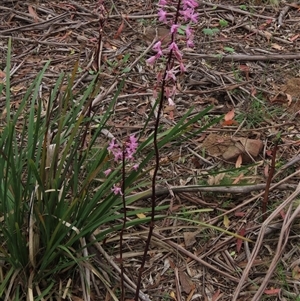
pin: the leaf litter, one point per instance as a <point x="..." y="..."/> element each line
<point x="261" y="69"/>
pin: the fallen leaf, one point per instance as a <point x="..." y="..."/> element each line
<point x="296" y="273"/>
<point x="2" y="74"/>
<point x="216" y="295"/>
<point x="239" y="214"/>
<point x="215" y="180"/>
<point x="229" y="115"/>
<point x="141" y="215"/>
<point x="189" y="238"/>
<point x="33" y="14"/>
<point x="238" y="162"/>
<point x="282" y="214"/>
<point x="75" y="298"/>
<point x="273" y="291"/>
<point x="295" y="37"/>
<point x="277" y="47"/>
<point x="172" y="295"/>
<point x="253" y="91"/>
<point x="267" y="35"/>
<point x="289" y="98"/>
<point x="245" y="69"/>
<point x="239" y="241"/>
<point x="269" y="153"/>
<point x="119" y="31"/>
<point x="186" y="283"/>
<point x="229" y="122"/>
<point x="238" y="178"/>
<point x="266" y="171"/>
<point x="226" y="221"/>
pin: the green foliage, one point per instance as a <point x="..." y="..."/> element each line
<point x="229" y="49"/>
<point x="47" y="206"/>
<point x="210" y="31"/>
<point x="223" y="23"/>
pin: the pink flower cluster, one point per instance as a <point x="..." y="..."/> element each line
<point x="128" y="150"/>
<point x="187" y="15"/>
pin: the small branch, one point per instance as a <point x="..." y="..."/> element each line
<point x="242" y="57"/>
<point x="282" y="14"/>
<point x="269" y="180"/>
<point x="199" y="188"/>
<point x="236" y="10"/>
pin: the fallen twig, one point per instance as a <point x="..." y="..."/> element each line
<point x="269" y="180"/>
<point x="199" y="188"/>
<point x="242" y="57"/>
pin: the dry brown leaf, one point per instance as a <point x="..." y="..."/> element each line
<point x="289" y="98"/>
<point x="33" y="14"/>
<point x="296" y="273"/>
<point x="186" y="284"/>
<point x="189" y="238"/>
<point x="277" y="47"/>
<point x="215" y="180"/>
<point x="120" y="29"/>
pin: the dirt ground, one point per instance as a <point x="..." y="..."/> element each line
<point x="246" y="63"/>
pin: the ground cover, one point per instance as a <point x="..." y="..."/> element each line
<point x="245" y="64"/>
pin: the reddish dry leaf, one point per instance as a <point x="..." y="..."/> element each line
<point x="253" y="91"/>
<point x="239" y="241"/>
<point x="245" y="69"/>
<point x="295" y="37"/>
<point x="229" y="122"/>
<point x="273" y="291"/>
<point x="240" y="214"/>
<point x="120" y="29"/>
<point x="237" y="180"/>
<point x="229" y="116"/>
<point x="282" y="213"/>
<point x="269" y="153"/>
<point x="33" y="13"/>
<point x="2" y="74"/>
<point x="216" y="295"/>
